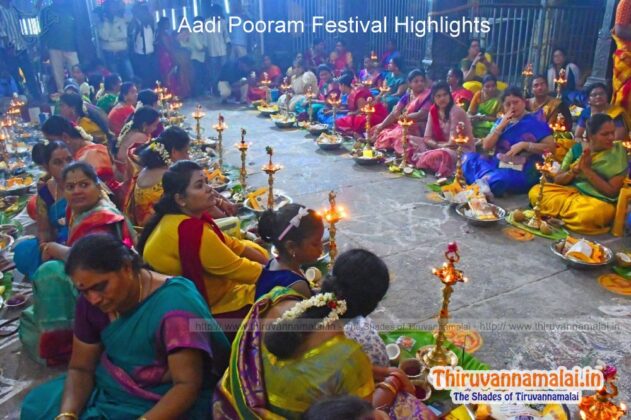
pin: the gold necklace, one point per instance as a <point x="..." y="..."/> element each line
<point x="140" y="292"/>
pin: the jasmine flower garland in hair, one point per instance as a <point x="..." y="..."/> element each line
<point x="338" y="308"/>
<point x="159" y="148"/>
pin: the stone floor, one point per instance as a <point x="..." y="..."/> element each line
<point x="509" y="281"/>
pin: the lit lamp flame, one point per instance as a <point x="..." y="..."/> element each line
<point x="600" y="406"/>
<point x="384" y="88"/>
<point x="449" y="275"/>
<point x="334" y="101"/>
<point x="560" y="83"/>
<point x="373" y="56"/>
<point x="309" y="94"/>
<point x="545" y="169"/>
<point x="461" y="140"/>
<point x="527" y="73"/>
<point x="405" y="122"/>
<point x="220" y="127"/>
<point x="333" y="215"/>
<point x="198" y="114"/>
<point x="368" y="109"/>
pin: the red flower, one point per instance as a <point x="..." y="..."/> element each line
<point x="452" y="247"/>
<point x="332" y="304"/>
<point x="609" y="372"/>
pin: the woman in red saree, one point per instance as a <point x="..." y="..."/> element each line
<point x="274" y="75"/>
<point x="416" y="103"/>
<point x="354" y="123"/>
<point x="176" y="69"/>
<point x="462" y="97"/>
<point x="341" y="59"/>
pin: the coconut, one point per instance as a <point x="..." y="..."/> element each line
<point x="545" y="228"/>
<point x="519" y="216"/>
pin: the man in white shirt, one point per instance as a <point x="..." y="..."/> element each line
<point x="112" y="30"/>
<point x="217" y="45"/>
<point x="142" y="39"/>
<point x="13" y="49"/>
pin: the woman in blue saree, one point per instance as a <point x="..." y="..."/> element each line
<point x="51" y="206"/>
<point x="144" y="345"/>
<point x="514" y="144"/>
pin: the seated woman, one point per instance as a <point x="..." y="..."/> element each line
<point x="295" y="368"/>
<point x="134" y="354"/>
<point x="340" y="58"/>
<point x="518" y="139"/>
<point x="81" y="79"/>
<point x="137" y="131"/>
<point x="326" y="85"/>
<point x="436" y="151"/>
<point x="274" y="75"/>
<point x="586" y="188"/>
<point x="416" y="103"/>
<point x="484" y="107"/>
<point x="73" y="108"/>
<point x="127" y="100"/>
<point x="110" y="95"/>
<point x="302" y="80"/>
<point x="371" y="76"/>
<point x="598" y="100"/>
<point x="155" y="159"/>
<point x="354" y="122"/>
<point x="148" y="97"/>
<point x="83" y="150"/>
<point x="549" y="105"/>
<point x="182" y="239"/>
<point x="476" y="65"/>
<point x="395" y="80"/>
<point x="296" y="232"/>
<point x="54" y="296"/>
<point x="461" y="96"/>
<point x="51" y="206"/>
<point x="572" y="88"/>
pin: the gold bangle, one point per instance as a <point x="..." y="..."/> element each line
<point x="67" y="414"/>
<point x="388" y="387"/>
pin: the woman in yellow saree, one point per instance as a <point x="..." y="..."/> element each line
<point x="278" y="373"/>
<point x="586" y="188"/>
<point x="484" y="107"/>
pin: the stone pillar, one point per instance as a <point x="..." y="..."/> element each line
<point x="602" y="67"/>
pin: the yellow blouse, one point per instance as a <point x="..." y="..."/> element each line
<point x="230" y="279"/>
<point x="141" y="208"/>
<point x="337" y="367"/>
<point x="90" y="127"/>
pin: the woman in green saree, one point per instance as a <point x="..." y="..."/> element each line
<point x="586" y="188"/>
<point x="145" y="345"/>
<point x="290" y="353"/>
<point x="484" y="107"/>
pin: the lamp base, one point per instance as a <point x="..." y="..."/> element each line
<point x="430" y="357"/>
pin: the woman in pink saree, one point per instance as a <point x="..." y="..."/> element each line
<point x="416" y="103"/>
<point x="436" y="151"/>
